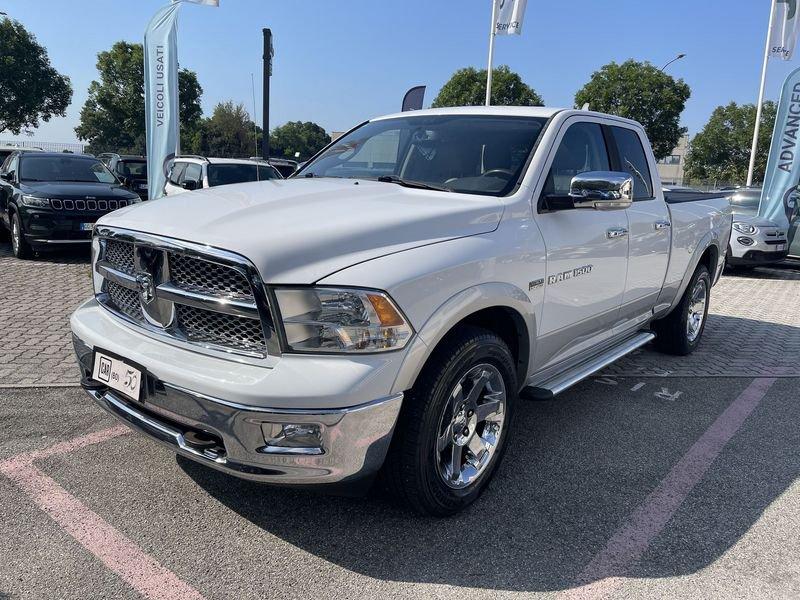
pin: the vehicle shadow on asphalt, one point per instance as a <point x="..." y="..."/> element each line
<point x="576" y="469"/>
<point x="787" y="269"/>
<point x="69" y="255"/>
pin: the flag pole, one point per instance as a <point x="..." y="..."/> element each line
<point x="754" y="147"/>
<point x="492" y="35"/>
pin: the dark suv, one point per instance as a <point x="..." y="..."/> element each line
<point x="51" y="199"/>
<point x="130" y="170"/>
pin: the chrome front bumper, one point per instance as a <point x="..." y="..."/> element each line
<point x="352" y="442"/>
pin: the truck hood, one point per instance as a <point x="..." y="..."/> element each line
<point x="754" y="220"/>
<point x="66" y="190"/>
<point x="301" y="230"/>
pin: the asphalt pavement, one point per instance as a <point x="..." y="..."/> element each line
<point x="579" y="469"/>
<point x="662" y="477"/>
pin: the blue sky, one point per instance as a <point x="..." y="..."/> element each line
<point x="338" y="62"/>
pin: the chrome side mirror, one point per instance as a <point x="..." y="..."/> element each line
<point x="602" y="190"/>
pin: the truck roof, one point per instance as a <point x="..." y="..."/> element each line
<point x="509" y="111"/>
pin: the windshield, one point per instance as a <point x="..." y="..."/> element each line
<point x="64" y="168"/>
<point x="132" y="168"/>
<point x="225" y="174"/>
<point x="475" y="154"/>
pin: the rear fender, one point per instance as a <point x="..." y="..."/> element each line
<point x="706" y="242"/>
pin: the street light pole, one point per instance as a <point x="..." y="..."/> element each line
<point x="680" y="56"/>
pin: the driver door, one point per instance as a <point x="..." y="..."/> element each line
<point x="587" y="251"/>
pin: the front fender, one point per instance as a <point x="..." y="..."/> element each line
<point x="453" y="311"/>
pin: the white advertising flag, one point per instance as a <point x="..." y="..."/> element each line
<point x="785" y="27"/>
<point x="161" y="93"/>
<point x="509" y="17"/>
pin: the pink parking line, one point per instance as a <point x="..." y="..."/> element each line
<point x="605" y="572"/>
<point x="90" y="530"/>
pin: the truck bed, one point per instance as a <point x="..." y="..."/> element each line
<point x="679" y="197"/>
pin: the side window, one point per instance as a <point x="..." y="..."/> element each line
<point x="11" y="164"/>
<point x="582" y="149"/>
<point x="194" y="172"/>
<point x="175" y="174"/>
<point x="633" y="160"/>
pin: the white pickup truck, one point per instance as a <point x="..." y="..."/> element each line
<point x="383" y="311"/>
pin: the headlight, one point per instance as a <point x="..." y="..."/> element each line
<point x="745" y="228"/>
<point x="341" y="320"/>
<point x="37" y="202"/>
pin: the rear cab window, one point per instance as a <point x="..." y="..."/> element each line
<point x="633" y="160"/>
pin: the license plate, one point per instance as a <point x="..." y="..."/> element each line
<point x="780" y="247"/>
<point x="87" y="226"/>
<point x="117" y="375"/>
<point x="143" y="186"/>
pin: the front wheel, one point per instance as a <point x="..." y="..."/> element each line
<point x="454" y="424"/>
<point x="680" y="331"/>
<point x="19" y="246"/>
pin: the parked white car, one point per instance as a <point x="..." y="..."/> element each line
<point x="755" y="240"/>
<point x="189" y="173"/>
<point x="384" y="309"/>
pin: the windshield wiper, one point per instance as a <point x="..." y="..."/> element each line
<point x="311" y="175"/>
<point x="411" y="183"/>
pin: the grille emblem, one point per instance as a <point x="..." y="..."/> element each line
<point x="147" y="288"/>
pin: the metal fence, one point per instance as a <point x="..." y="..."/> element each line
<point x="46" y="146"/>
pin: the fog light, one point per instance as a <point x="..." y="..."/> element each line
<point x="292" y="438"/>
<point x="745" y="241"/>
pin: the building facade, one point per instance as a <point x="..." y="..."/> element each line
<point x="670" y="168"/>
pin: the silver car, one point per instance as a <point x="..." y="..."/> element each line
<point x="754" y="240"/>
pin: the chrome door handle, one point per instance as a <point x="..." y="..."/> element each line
<point x="616" y="232"/>
<point x="662" y="225"/>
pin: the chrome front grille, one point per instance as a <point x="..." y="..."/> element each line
<point x="125" y="300"/>
<point x="220" y="329"/>
<point x="190" y="293"/>
<point x="120" y="255"/>
<point x="92" y="205"/>
<point x="203" y="277"/>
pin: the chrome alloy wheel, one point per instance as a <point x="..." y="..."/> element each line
<point x="15" y="235"/>
<point x="697" y="309"/>
<point x="470" y="426"/>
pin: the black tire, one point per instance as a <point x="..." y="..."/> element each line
<point x="412" y="472"/>
<point x="673" y="334"/>
<point x="19" y="246"/>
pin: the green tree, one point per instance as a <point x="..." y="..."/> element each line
<point x="112" y="119"/>
<point x="467" y="87"/>
<point x="644" y="93"/>
<point x="30" y="88"/>
<point x="721" y="150"/>
<point x="228" y="133"/>
<point x="295" y="136"/>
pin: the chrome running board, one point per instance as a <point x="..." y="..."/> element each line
<point x="560" y="382"/>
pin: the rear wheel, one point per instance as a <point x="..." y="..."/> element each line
<point x="454" y="424"/>
<point x="19" y="246"/>
<point x="680" y="332"/>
